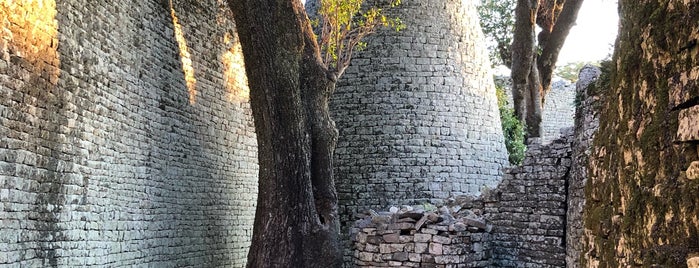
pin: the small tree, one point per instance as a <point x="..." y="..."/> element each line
<point x="291" y="81"/>
<point x="497" y="19"/>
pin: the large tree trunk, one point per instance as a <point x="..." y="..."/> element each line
<point x="523" y="55"/>
<point x="642" y="205"/>
<point x="531" y="71"/>
<point x="296" y="223"/>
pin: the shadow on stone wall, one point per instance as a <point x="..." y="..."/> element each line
<point x="103" y="158"/>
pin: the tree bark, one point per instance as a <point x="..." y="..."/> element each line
<point x="296" y="223"/>
<point x="522" y="55"/>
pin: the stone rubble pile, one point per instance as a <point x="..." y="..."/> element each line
<point x="423" y="236"/>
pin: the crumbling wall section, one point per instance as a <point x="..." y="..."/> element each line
<point x="521" y="223"/>
<point x="413" y="237"/>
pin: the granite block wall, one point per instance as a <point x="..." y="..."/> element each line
<point x="559" y="110"/>
<point x="528" y="209"/>
<point x="520" y="223"/>
<point x="586" y="124"/>
<point x="125" y="135"/>
<point x="413" y="237"/>
<point x="417" y="113"/>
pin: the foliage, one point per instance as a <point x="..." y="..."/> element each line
<point x="343" y="24"/>
<point x="512" y="129"/>
<point x="497" y="20"/>
<point x="571" y="70"/>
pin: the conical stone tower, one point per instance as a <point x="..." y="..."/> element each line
<point x="417" y="112"/>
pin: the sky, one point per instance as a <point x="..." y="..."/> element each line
<point x="592" y="38"/>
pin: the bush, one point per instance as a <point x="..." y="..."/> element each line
<point x="512" y="129"/>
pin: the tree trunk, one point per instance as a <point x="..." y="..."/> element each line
<point x="531" y="72"/>
<point x="641" y="198"/>
<point x="523" y="55"/>
<point x="296" y="223"/>
<point x="534" y="102"/>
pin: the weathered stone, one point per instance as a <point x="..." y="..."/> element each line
<point x="435" y="248"/>
<point x="421" y="238"/>
<point x="421" y="222"/>
<point x="693" y="261"/>
<point x="421" y="247"/>
<point x="400" y="256"/>
<point x="401" y="226"/>
<point x="391" y="238"/>
<point x="441" y="239"/>
<point x="693" y="171"/>
<point x="474" y="222"/>
<point x="688" y="129"/>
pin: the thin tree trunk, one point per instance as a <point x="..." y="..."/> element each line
<point x="522" y="54"/>
<point x="296" y="223"/>
<point x="534" y="103"/>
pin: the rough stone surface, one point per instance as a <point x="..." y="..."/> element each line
<point x="117" y="147"/>
<point x="436" y="244"/>
<point x="641" y="209"/>
<point x="521" y="223"/>
<point x="586" y="124"/>
<point x="417" y="112"/>
<point x="528" y="209"/>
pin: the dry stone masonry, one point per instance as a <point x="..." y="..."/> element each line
<point x="417" y="112"/>
<point x="413" y="237"/>
<point x="125" y="139"/>
<point x="521" y="223"/>
<point x="559" y="110"/>
<point x="586" y="124"/>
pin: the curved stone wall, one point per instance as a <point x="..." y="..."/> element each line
<point x="417" y="112"/>
<point x="125" y="136"/>
<point x="559" y="110"/>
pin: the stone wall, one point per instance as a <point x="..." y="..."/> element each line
<point x="417" y="112"/>
<point x="528" y="209"/>
<point x="586" y="124"/>
<point x="125" y="136"/>
<point x="413" y="237"/>
<point x="641" y="206"/>
<point x="559" y="110"/>
<point x="521" y="223"/>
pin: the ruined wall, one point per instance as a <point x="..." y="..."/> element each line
<point x="125" y="136"/>
<point x="641" y="205"/>
<point x="528" y="209"/>
<point x="413" y="237"/>
<point x="521" y="223"/>
<point x="417" y="112"/>
<point x="586" y="124"/>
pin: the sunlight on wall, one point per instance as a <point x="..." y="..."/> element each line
<point x="185" y="57"/>
<point x="28" y="29"/>
<point x="234" y="70"/>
